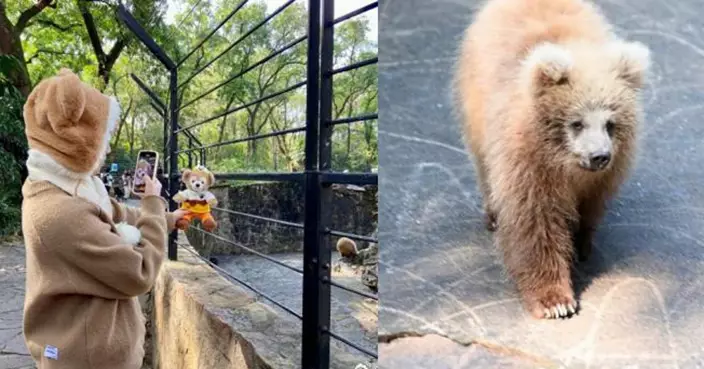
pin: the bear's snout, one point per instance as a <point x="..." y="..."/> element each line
<point x="597" y="161"/>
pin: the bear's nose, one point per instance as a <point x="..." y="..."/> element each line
<point x="599" y="161"/>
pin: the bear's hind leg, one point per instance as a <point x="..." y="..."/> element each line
<point x="537" y="250"/>
<point x="590" y="213"/>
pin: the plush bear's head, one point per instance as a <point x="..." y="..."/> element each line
<point x="585" y="99"/>
<point x="143" y="169"/>
<point x="199" y="179"/>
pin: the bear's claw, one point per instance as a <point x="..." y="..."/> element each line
<point x="553" y="304"/>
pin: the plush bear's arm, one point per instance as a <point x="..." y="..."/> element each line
<point x="212" y="201"/>
<point x="180" y="197"/>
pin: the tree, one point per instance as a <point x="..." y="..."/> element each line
<point x="11" y="42"/>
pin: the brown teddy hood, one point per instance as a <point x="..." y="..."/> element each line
<point x="68" y="126"/>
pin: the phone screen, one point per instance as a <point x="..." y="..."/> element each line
<point x="146" y="167"/>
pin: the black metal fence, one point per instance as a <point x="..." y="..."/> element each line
<point x="317" y="178"/>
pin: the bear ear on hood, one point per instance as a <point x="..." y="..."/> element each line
<point x="632" y="61"/>
<point x="548" y="64"/>
<point x="70" y="96"/>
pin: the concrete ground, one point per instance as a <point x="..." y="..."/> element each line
<point x="442" y="282"/>
<point x="352" y="316"/>
<point x="13" y="352"/>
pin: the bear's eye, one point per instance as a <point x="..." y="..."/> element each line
<point x="610" y="127"/>
<point x="577" y="125"/>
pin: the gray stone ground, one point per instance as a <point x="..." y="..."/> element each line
<point x="13" y="352"/>
<point x="642" y="292"/>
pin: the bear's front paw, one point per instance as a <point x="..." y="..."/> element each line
<point x="551" y="302"/>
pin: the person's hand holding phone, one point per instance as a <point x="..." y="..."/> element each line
<point x="151" y="187"/>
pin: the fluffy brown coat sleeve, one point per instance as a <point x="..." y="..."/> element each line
<point x="84" y="240"/>
<point x="130" y="215"/>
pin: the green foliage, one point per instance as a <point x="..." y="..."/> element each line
<point x="12" y="148"/>
<point x="58" y="38"/>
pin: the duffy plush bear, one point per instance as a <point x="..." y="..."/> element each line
<point x="196" y="199"/>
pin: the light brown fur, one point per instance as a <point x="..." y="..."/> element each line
<point x="346" y="247"/>
<point x="541" y="204"/>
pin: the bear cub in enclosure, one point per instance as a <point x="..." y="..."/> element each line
<point x="550" y="99"/>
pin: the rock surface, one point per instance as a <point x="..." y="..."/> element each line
<point x="353" y="317"/>
<point x="642" y="292"/>
<point x="352" y="211"/>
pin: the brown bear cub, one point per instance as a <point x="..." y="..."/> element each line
<point x="550" y="99"/>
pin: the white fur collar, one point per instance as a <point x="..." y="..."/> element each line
<point x="42" y="167"/>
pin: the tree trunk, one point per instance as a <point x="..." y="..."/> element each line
<point x="10" y="44"/>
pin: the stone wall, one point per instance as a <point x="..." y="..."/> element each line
<point x="353" y="211"/>
<point x="199" y="320"/>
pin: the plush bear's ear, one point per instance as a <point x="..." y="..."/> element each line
<point x="211" y="179"/>
<point x="631" y="61"/>
<point x="70" y="96"/>
<point x="548" y="64"/>
<point x="185" y="175"/>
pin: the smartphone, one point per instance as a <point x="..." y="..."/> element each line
<point x="147" y="162"/>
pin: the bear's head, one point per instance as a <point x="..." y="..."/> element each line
<point x="199" y="179"/>
<point x="586" y="99"/>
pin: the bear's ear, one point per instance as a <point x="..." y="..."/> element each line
<point x="185" y="175"/>
<point x="70" y="96"/>
<point x="548" y="64"/>
<point x="631" y="61"/>
<point x="211" y="179"/>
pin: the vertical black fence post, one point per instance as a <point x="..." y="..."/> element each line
<point x="326" y="89"/>
<point x="167" y="119"/>
<point x="190" y="153"/>
<point x="327" y="45"/>
<point x="173" y="156"/>
<point x="316" y="295"/>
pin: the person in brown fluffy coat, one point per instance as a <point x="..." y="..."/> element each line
<point x="551" y="103"/>
<point x="88" y="257"/>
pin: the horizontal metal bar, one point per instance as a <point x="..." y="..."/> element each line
<point x="240" y="39"/>
<point x="352" y="290"/>
<point x="249" y="138"/>
<point x="350" y="343"/>
<point x="357" y="12"/>
<point x="250" y="287"/>
<point x="245" y="71"/>
<point x="251" y="251"/>
<point x="357" y="65"/>
<point x="144" y="36"/>
<point x="271" y="220"/>
<point x="228" y="112"/>
<point x="359" y="118"/>
<point x="222" y="23"/>
<point x="270" y="177"/>
<point x="359" y="179"/>
<point x="351" y="236"/>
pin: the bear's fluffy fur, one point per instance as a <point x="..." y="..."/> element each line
<point x="542" y="87"/>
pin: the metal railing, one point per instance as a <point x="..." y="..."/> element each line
<point x="317" y="178"/>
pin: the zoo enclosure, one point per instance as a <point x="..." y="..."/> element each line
<point x="317" y="178"/>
